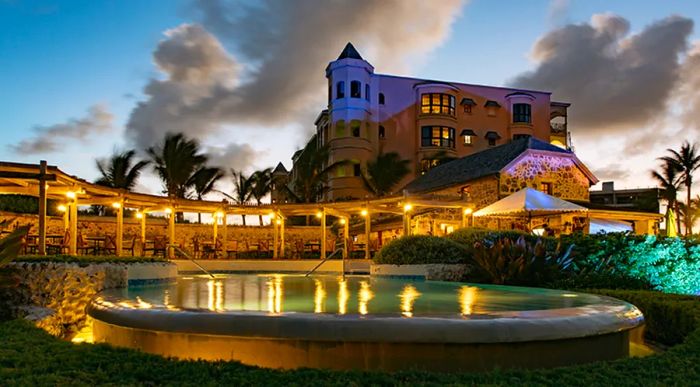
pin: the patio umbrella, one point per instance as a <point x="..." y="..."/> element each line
<point x="671" y="224"/>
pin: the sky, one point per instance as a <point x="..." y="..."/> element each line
<point x="79" y="79"/>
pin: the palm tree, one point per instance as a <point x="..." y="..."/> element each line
<point x="261" y="185"/>
<point x="669" y="180"/>
<point x="385" y="172"/>
<point x="120" y="171"/>
<point x="203" y="182"/>
<point x="311" y="173"/>
<point x="176" y="160"/>
<point x="687" y="161"/>
<point x="243" y="187"/>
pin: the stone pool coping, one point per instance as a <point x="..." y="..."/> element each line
<point x="607" y="316"/>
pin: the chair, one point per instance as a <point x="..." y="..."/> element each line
<point x="196" y="247"/>
<point x="264" y="248"/>
<point x="231" y="248"/>
<point x="373" y="247"/>
<point x="159" y="246"/>
<point x="131" y="246"/>
<point x="110" y="246"/>
<point x="63" y="245"/>
<point x="298" y="251"/>
<point x="252" y="249"/>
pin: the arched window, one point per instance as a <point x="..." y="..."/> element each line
<point x="355" y="89"/>
<point x="381" y="98"/>
<point x="367" y="92"/>
<point x="340" y="128"/>
<point x="382" y="132"/>
<point x="355" y="128"/>
<point x="340" y="90"/>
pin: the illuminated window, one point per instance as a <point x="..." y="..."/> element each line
<point x="381" y="98"/>
<point x="441" y="136"/>
<point x="546" y="188"/>
<point x="382" y="132"/>
<point x="437" y="103"/>
<point x="522" y="113"/>
<point x="427" y="164"/>
<point x="355" y="128"/>
<point x="468" y="140"/>
<point x="340" y="90"/>
<point x="355" y="89"/>
<point x="340" y="128"/>
<point x="367" y="92"/>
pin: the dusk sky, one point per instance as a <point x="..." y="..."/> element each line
<point x="79" y="78"/>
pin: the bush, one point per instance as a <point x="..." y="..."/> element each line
<point x="420" y="249"/>
<point x="470" y="235"/>
<point x="595" y="280"/>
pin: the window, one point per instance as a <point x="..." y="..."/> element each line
<point x="546" y="188"/>
<point x="382" y="132"/>
<point x="492" y="142"/>
<point x="522" y="113"/>
<point x="355" y="128"/>
<point x="437" y="103"/>
<point x="356" y="170"/>
<point x="355" y="89"/>
<point x="441" y="136"/>
<point x="381" y="98"/>
<point x="367" y="92"/>
<point x="468" y="139"/>
<point x="468" y="109"/>
<point x="330" y="92"/>
<point x="340" y="90"/>
<point x="427" y="164"/>
<point x="340" y="128"/>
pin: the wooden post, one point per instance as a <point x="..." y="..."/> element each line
<point x="323" y="233"/>
<point x="120" y="227"/>
<point x="367" y="235"/>
<point x="143" y="229"/>
<point x="406" y="223"/>
<point x="465" y="219"/>
<point x="281" y="218"/>
<point x="73" y="208"/>
<point x="66" y="214"/>
<point x="275" y="236"/>
<point x="216" y="227"/>
<point x="171" y="235"/>
<point x="42" y="207"/>
<point x="346" y="237"/>
<point x="224" y="234"/>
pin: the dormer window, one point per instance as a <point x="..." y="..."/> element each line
<point x="437" y="103"/>
<point x="467" y="104"/>
<point x="340" y="90"/>
<point x="491" y="107"/>
<point x="468" y="136"/>
<point x="381" y="98"/>
<point x="355" y="89"/>
<point x="492" y="137"/>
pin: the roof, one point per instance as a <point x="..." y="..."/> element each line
<point x="491" y="135"/>
<point x="349" y="52"/>
<point x="467" y="132"/>
<point x="487" y="162"/>
<point x="530" y="202"/>
<point x="492" y="103"/>
<point x="467" y="101"/>
<point x="280" y="169"/>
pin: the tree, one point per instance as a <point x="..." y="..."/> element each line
<point x="669" y="180"/>
<point x="385" y="172"/>
<point x="687" y="161"/>
<point x="261" y="185"/>
<point x="203" y="182"/>
<point x="243" y="189"/>
<point x="120" y="171"/>
<point x="175" y="161"/>
<point x="311" y="173"/>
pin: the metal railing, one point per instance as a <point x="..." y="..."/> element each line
<point x="340" y="250"/>
<point x="184" y="253"/>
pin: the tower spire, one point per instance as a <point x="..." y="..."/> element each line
<point x="349" y="52"/>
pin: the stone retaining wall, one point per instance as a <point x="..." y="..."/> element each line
<point x="54" y="294"/>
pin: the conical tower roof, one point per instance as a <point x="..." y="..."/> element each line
<point x="350" y="52"/>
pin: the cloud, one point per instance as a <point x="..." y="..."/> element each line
<point x="615" y="80"/>
<point x="558" y="11"/>
<point x="98" y="120"/>
<point x="281" y="49"/>
<point x="688" y="96"/>
<point x="233" y="156"/>
<point x="612" y="172"/>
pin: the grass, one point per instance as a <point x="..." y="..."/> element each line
<point x="28" y="356"/>
<point x="87" y="259"/>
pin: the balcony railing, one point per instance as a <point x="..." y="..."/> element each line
<point x="558" y="127"/>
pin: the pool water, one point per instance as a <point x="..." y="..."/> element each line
<point x="352" y="295"/>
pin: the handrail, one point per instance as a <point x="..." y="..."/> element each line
<point x="340" y="250"/>
<point x="183" y="252"/>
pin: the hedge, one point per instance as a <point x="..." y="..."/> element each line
<point x="420" y="249"/>
<point x="28" y="356"/>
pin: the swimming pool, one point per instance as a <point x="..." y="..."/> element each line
<point x="362" y="322"/>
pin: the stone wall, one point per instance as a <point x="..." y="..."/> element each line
<point x="567" y="179"/>
<point x="184" y="232"/>
<point x="54" y="294"/>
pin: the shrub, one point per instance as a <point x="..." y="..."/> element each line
<point x="420" y="249"/>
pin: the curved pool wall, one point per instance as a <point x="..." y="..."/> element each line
<point x="365" y="323"/>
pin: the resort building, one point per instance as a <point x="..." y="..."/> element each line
<point x="635" y="199"/>
<point x="424" y="121"/>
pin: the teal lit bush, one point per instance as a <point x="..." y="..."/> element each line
<point x="421" y="249"/>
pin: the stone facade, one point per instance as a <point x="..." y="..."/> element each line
<point x="567" y="180"/>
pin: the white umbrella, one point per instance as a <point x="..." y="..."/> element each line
<point x="529" y="202"/>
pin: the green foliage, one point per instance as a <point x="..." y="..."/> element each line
<point x="384" y="173"/>
<point x="176" y="160"/>
<point x="29" y="356"/>
<point x="24" y="204"/>
<point x="518" y="262"/>
<point x="120" y="171"/>
<point x="471" y="235"/>
<point x="671" y="265"/>
<point x="420" y="249"/>
<point x="87" y="259"/>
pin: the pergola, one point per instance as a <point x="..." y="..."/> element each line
<point x="49" y="182"/>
